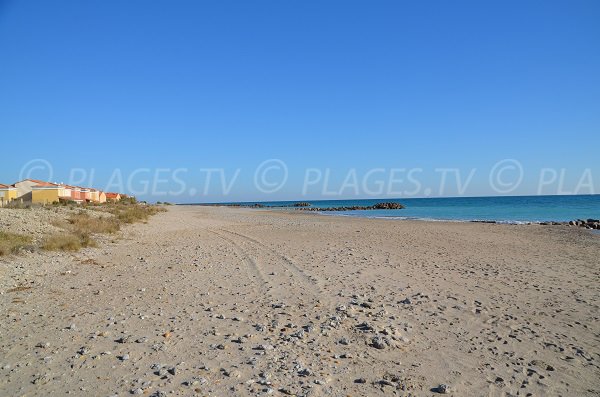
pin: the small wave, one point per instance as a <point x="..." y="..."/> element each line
<point x="425" y="219"/>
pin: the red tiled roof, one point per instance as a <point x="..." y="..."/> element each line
<point x="3" y="186"/>
<point x="32" y="180"/>
<point x="47" y="184"/>
<point x="112" y="195"/>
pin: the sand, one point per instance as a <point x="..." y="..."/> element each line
<point x="222" y="301"/>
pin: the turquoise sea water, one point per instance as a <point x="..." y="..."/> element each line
<point x="509" y="209"/>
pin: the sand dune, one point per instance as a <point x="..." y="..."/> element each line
<point x="221" y="301"/>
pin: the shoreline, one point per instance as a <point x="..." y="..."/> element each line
<point x="542" y="209"/>
<point x="594" y="224"/>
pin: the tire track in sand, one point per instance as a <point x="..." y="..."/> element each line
<point x="252" y="265"/>
<point x="307" y="283"/>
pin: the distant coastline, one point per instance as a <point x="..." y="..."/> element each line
<point x="489" y="209"/>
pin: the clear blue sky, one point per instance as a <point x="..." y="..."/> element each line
<point x="318" y="84"/>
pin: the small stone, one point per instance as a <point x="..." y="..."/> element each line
<point x="137" y="391"/>
<point x="162" y="372"/>
<point x="442" y="389"/>
<point x="305" y="372"/>
<point x="378" y="342"/>
<point x="124" y="357"/>
<point x="232" y="374"/>
<point x="360" y="380"/>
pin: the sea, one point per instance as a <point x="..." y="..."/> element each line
<point x="500" y="209"/>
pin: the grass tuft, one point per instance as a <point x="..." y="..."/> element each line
<point x="83" y="223"/>
<point x="134" y="213"/>
<point x="68" y="242"/>
<point x="11" y="243"/>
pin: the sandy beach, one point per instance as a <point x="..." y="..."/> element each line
<point x="222" y="301"/>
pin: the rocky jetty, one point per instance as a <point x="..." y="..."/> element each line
<point x="587" y="223"/>
<point x="302" y="204"/>
<point x="241" y="205"/>
<point x="378" y="206"/>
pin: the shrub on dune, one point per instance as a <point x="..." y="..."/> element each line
<point x="11" y="243"/>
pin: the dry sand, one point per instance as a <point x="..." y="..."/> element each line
<point x="220" y="301"/>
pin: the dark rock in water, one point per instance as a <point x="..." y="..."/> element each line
<point x="257" y="205"/>
<point x="588" y="224"/>
<point x="388" y="206"/>
<point x="302" y="204"/>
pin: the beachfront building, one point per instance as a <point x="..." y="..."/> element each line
<point x="86" y="194"/>
<point x="94" y="195"/>
<point x="8" y="193"/>
<point x="97" y="196"/>
<point x="48" y="193"/>
<point x="113" y="197"/>
<point x="76" y="194"/>
<point x="24" y="188"/>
